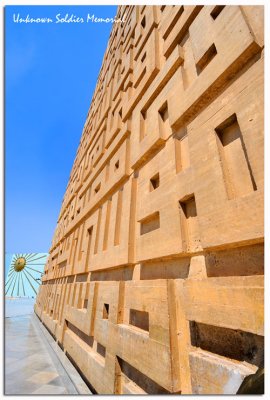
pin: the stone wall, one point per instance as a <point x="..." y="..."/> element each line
<point x="154" y="282"/>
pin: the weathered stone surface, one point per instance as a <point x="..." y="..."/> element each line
<point x="215" y="375"/>
<point x="154" y="282"/>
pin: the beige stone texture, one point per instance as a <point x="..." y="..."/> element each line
<point x="154" y="282"/>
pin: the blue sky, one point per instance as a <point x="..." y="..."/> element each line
<point x="50" y="75"/>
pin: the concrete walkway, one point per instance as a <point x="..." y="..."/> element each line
<point x="34" y="363"/>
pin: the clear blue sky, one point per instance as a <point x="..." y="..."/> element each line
<point x="50" y="75"/>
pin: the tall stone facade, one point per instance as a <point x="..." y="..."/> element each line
<point x="154" y="282"/>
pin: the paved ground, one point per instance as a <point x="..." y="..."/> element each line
<point x="34" y="363"/>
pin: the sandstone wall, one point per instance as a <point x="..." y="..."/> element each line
<point x="154" y="282"/>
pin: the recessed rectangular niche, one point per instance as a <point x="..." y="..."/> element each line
<point x="164" y="124"/>
<point x="89" y="235"/>
<point x="216" y="11"/>
<point x="101" y="350"/>
<point x="70" y="279"/>
<point x="81" y="278"/>
<point x="188" y="207"/>
<point x="150" y="223"/>
<point x="143" y="57"/>
<point x="143" y="115"/>
<point x="189" y="223"/>
<point x="206" y="59"/>
<point x="182" y="160"/>
<point x="154" y="182"/>
<point x="236" y="168"/>
<point x="106" y="308"/>
<point x="128" y="376"/>
<point x="89" y="340"/>
<point x="116" y="165"/>
<point x="232" y="343"/>
<point x="62" y="264"/>
<point x="85" y="303"/>
<point x="163" y="112"/>
<point x="140" y="319"/>
<point x="97" y="189"/>
<point x="143" y="22"/>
